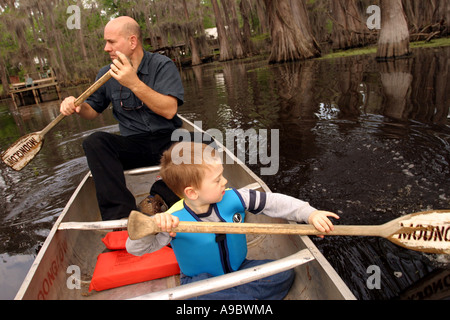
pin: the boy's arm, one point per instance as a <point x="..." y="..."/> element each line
<point x="276" y="205"/>
<point x="152" y="243"/>
<point x="148" y="244"/>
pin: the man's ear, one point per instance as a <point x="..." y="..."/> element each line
<point x="133" y="42"/>
<point x="191" y="193"/>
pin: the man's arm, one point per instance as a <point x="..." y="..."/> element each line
<point x="163" y="105"/>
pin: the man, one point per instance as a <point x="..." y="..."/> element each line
<point x="145" y="92"/>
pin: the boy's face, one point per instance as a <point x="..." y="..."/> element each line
<point x="213" y="185"/>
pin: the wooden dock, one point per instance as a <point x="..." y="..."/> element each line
<point x="20" y="90"/>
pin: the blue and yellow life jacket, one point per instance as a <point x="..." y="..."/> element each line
<point x="216" y="254"/>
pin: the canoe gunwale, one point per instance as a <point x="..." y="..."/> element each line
<point x="230" y="280"/>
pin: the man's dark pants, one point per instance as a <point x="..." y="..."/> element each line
<point x="108" y="155"/>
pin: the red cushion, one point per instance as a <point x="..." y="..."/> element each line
<point x="119" y="268"/>
<point x="116" y="240"/>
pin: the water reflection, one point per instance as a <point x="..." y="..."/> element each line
<point x="367" y="140"/>
<point x="32" y="199"/>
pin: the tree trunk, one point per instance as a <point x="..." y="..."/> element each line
<point x="194" y="50"/>
<point x="426" y="16"/>
<point x="225" y="53"/>
<point x="290" y="31"/>
<point x="348" y="28"/>
<point x="235" y="31"/>
<point x="54" y="44"/>
<point x="80" y="35"/>
<point x="394" y="35"/>
<point x="442" y="15"/>
<point x="262" y="17"/>
<point x="247" y="43"/>
<point x="4" y="76"/>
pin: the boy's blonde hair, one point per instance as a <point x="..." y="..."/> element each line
<point x="184" y="165"/>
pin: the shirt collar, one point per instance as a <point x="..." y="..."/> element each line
<point x="144" y="66"/>
<point x="198" y="216"/>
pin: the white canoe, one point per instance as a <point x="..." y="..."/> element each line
<point x="49" y="274"/>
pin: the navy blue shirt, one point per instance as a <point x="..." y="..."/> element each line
<point x="156" y="71"/>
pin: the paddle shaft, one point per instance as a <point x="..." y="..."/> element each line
<point x="230" y="228"/>
<point x="427" y="231"/>
<point x="140" y="225"/>
<point x="275" y="229"/>
<point x="86" y="94"/>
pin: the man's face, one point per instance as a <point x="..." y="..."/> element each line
<point x="116" y="41"/>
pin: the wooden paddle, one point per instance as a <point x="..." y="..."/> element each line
<point x="425" y="231"/>
<point x="26" y="148"/>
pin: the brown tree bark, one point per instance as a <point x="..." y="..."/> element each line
<point x="247" y="43"/>
<point x="348" y="26"/>
<point x="394" y="35"/>
<point x="442" y="15"/>
<point x="291" y="34"/>
<point x="235" y="31"/>
<point x="194" y="50"/>
<point x="426" y="17"/>
<point x="80" y="34"/>
<point x="4" y="76"/>
<point x="225" y="52"/>
<point x="262" y="17"/>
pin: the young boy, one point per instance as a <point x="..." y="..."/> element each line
<point x="195" y="173"/>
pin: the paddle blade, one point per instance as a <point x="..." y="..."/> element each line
<point x="426" y="231"/>
<point x="22" y="151"/>
<point x="140" y="226"/>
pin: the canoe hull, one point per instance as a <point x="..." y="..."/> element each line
<point x="70" y="255"/>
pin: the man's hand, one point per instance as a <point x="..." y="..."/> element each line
<point x="84" y="110"/>
<point x="68" y="106"/>
<point x="123" y="71"/>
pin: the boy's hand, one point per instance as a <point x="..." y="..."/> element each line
<point x="166" y="222"/>
<point x="319" y="219"/>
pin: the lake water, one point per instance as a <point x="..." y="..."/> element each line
<point x="369" y="141"/>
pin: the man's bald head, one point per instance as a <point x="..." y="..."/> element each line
<point x="126" y="26"/>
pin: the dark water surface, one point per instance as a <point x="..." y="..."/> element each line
<point x="369" y="141"/>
